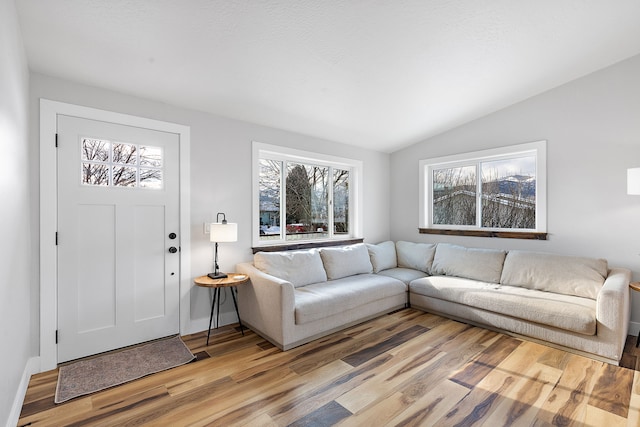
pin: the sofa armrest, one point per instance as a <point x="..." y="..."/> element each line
<point x="613" y="308"/>
<point x="267" y="303"/>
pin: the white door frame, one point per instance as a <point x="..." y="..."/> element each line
<point x="49" y="110"/>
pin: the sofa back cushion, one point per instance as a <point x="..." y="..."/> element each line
<point x="300" y="268"/>
<point x="383" y="256"/>
<point x="346" y="261"/>
<point x="581" y="277"/>
<point x="418" y="256"/>
<point x="471" y="263"/>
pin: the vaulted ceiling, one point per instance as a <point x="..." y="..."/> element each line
<point x="381" y="74"/>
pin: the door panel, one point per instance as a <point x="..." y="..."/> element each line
<point x="118" y="201"/>
<point x="149" y="269"/>
<point x="96" y="298"/>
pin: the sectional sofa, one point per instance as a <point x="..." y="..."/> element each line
<point x="573" y="303"/>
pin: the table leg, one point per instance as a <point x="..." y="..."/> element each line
<point x="237" y="312"/>
<point x="213" y="304"/>
<point x="638" y="340"/>
<point x="218" y="310"/>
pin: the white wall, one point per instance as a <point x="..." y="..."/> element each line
<point x="592" y="126"/>
<point x="15" y="251"/>
<point x="220" y="173"/>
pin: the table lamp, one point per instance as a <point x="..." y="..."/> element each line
<point x="221" y="232"/>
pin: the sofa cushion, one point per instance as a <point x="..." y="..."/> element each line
<point x="471" y="263"/>
<point x="567" y="275"/>
<point x="566" y="312"/>
<point x="300" y="268"/>
<point x="407" y="275"/>
<point x="383" y="256"/>
<point x="346" y="261"/>
<point x="322" y="300"/>
<point x="418" y="256"/>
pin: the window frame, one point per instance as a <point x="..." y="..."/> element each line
<point x="426" y="167"/>
<point x="286" y="154"/>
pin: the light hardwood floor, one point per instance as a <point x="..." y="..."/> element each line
<point x="407" y="368"/>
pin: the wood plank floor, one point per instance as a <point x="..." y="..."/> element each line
<point x="407" y="368"/>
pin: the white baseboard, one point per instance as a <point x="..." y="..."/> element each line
<point x="32" y="367"/>
<point x="201" y="324"/>
<point x="634" y="328"/>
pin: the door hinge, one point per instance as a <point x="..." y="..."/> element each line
<point x="56" y="238"/>
<point x="56" y="140"/>
<point x="56" y="336"/>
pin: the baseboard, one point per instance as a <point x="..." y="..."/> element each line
<point x="201" y="324"/>
<point x="32" y="367"/>
<point x="634" y="328"/>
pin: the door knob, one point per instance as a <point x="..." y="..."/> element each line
<point x="173" y="249"/>
<point x="172" y="236"/>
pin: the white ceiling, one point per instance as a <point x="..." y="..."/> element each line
<point x="381" y="74"/>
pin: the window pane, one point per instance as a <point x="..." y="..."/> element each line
<point x="95" y="149"/>
<point x="100" y="158"/>
<point x="509" y="193"/>
<point x="151" y="156"/>
<point x="302" y="197"/>
<point x="307" y="201"/>
<point x="124" y="153"/>
<point x="454" y="196"/>
<point x="151" y="178"/>
<point x="269" y="184"/>
<point x="509" y="187"/>
<point x="95" y="174"/>
<point x="124" y="176"/>
<point x="341" y="201"/>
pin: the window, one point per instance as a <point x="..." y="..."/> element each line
<point x="491" y="191"/>
<point x="117" y="164"/>
<point x="303" y="197"/>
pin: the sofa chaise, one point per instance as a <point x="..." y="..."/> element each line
<point x="573" y="303"/>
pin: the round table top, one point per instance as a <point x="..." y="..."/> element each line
<point x="233" y="279"/>
<point x="635" y="286"/>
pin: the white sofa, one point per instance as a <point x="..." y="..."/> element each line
<point x="298" y="296"/>
<point x="573" y="303"/>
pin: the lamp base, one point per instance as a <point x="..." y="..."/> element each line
<point x="217" y="276"/>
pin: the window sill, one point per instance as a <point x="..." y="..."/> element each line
<point x="531" y="235"/>
<point x="305" y="245"/>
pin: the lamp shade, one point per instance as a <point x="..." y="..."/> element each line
<point x="633" y="181"/>
<point x="224" y="232"/>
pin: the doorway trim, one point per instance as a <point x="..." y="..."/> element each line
<point x="49" y="110"/>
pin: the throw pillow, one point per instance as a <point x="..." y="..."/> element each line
<point x="471" y="263"/>
<point x="300" y="268"/>
<point x="418" y="256"/>
<point x="581" y="277"/>
<point x="346" y="261"/>
<point x="383" y="256"/>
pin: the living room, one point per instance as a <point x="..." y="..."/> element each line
<point x="588" y="115"/>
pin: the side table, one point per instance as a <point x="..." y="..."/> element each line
<point x="636" y="287"/>
<point x="231" y="281"/>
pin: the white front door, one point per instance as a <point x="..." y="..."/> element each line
<point x="118" y="236"/>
